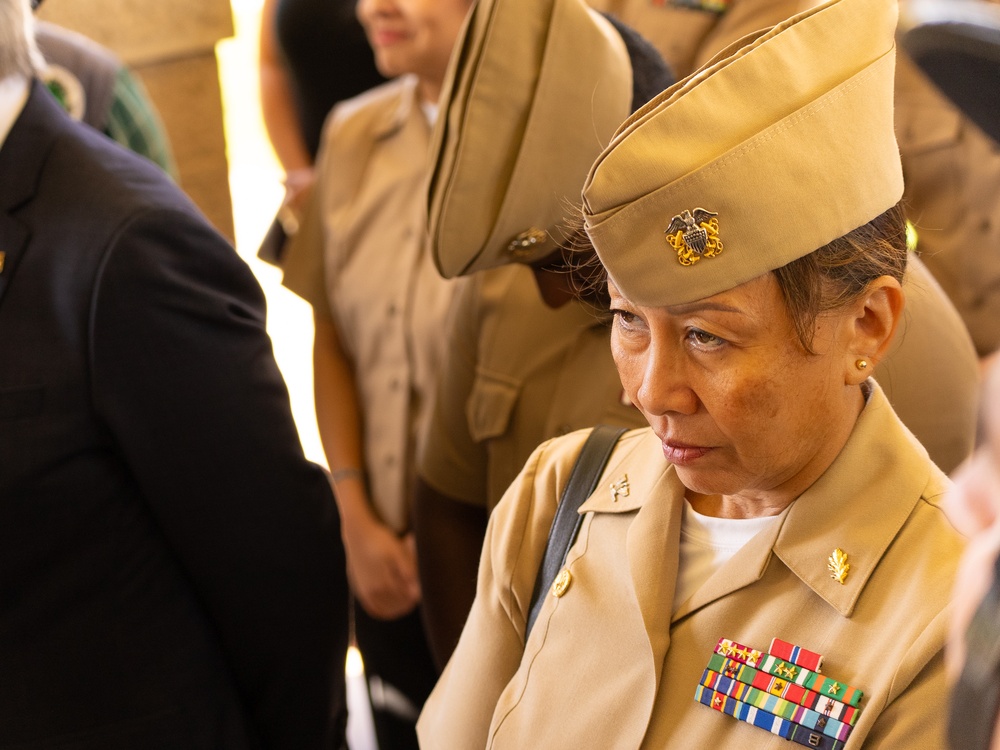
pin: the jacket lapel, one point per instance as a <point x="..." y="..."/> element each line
<point x="812" y="530"/>
<point x="22" y="159"/>
<point x="653" y="537"/>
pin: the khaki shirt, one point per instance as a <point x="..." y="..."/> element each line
<point x="517" y="373"/>
<point x="951" y="168"/>
<point x="608" y="666"/>
<point x="360" y="258"/>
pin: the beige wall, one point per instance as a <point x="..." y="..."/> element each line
<point x="171" y="46"/>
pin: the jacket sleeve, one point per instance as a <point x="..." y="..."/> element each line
<point x="184" y="377"/>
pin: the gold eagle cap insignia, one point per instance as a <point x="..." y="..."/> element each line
<point x="694" y="235"/>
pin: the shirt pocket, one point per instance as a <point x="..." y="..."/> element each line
<point x="490" y="406"/>
<point x="21" y="402"/>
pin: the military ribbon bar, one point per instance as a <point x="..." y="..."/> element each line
<point x="776" y="691"/>
<point x="796" y="655"/>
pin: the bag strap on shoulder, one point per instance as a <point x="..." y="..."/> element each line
<point x="566" y="525"/>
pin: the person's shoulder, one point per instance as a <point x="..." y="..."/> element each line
<point x="104" y="175"/>
<point x="639" y="445"/>
<point x="371" y="111"/>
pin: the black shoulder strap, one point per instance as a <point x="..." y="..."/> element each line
<point x="582" y="482"/>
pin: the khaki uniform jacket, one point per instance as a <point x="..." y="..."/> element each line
<point x="517" y="373"/>
<point x="951" y="168"/>
<point x="360" y="258"/>
<point x="607" y="666"/>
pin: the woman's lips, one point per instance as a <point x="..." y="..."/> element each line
<point x="681" y="454"/>
<point x="385" y="37"/>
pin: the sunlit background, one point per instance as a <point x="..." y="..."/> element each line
<point x="255" y="183"/>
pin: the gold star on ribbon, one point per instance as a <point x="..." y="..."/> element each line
<point x="834" y="688"/>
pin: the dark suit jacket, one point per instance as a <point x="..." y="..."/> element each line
<point x="171" y="572"/>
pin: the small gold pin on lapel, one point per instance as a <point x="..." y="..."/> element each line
<point x="619" y="489"/>
<point x="838" y="566"/>
<point x="562" y="582"/>
<point x="3" y="257"/>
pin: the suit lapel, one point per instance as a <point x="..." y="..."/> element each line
<point x="22" y="159"/>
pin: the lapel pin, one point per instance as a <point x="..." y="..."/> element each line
<point x="620" y="489"/>
<point x="838" y="566"/>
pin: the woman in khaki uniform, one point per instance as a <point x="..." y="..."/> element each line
<point x="361" y="260"/>
<point x="776" y="495"/>
<point x="519" y="369"/>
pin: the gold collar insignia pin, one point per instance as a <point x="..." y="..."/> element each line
<point x="838" y="566"/>
<point x="694" y="235"/>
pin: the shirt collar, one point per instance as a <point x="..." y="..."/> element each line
<point x="13" y="96"/>
<point x="877" y="480"/>
<point x="394" y="119"/>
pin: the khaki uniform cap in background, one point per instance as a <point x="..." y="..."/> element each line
<point x="530" y="99"/>
<point x="788" y="162"/>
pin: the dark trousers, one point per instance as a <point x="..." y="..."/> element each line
<point x="395" y="652"/>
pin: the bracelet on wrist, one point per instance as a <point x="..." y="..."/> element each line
<point x="340" y="475"/>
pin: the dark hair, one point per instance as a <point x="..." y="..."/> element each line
<point x="836" y="274"/>
<point x="826" y="279"/>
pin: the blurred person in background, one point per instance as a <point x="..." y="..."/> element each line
<point x="94" y="86"/>
<point x="957" y="45"/>
<point x="527" y="359"/>
<point x="313" y="54"/>
<point x="360" y="259"/>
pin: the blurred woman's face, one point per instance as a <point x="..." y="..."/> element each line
<point x="413" y="36"/>
<point x="741" y="408"/>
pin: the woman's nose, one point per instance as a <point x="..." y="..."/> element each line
<point x="665" y="387"/>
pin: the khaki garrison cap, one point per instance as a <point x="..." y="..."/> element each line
<point x="779" y="145"/>
<point x="534" y="91"/>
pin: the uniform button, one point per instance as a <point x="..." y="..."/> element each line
<point x="562" y="582"/>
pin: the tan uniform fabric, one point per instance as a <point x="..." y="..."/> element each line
<point x="361" y="258"/>
<point x="951" y="168"/>
<point x="931" y="373"/>
<point x="518" y="372"/>
<point x="606" y="666"/>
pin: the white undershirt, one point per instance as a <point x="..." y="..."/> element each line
<point x="430" y="111"/>
<point x="707" y="543"/>
<point x="13" y="96"/>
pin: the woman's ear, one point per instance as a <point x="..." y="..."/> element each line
<point x="877" y="314"/>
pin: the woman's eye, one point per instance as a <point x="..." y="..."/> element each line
<point x="703" y="339"/>
<point x="625" y="317"/>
